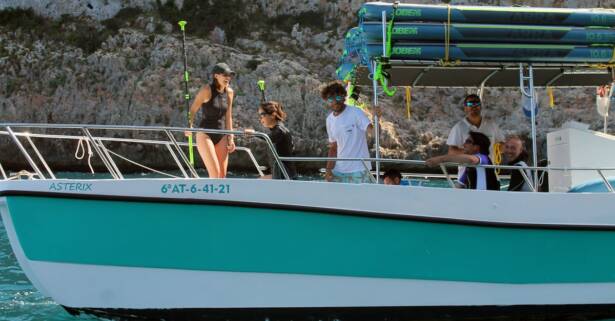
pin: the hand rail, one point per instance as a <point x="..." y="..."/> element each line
<point x="106" y="157"/>
<point x="24" y="152"/>
<point x="105" y="154"/>
<point x="40" y="157"/>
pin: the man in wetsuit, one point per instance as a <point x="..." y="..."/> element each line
<point x="516" y="155"/>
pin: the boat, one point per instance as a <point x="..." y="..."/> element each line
<point x="198" y="248"/>
<point x="187" y="247"/>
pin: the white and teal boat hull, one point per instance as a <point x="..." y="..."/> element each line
<point x="224" y="248"/>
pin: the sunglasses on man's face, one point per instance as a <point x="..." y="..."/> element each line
<point x="263" y="114"/>
<point x="469" y="142"/>
<point x="472" y="104"/>
<point x="338" y="99"/>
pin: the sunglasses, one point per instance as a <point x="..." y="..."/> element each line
<point x="337" y="98"/>
<point x="263" y="114"/>
<point x="472" y="104"/>
<point x="469" y="141"/>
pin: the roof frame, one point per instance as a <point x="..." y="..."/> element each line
<point x="429" y="74"/>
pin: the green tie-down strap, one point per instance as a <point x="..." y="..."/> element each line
<point x="379" y="74"/>
<point x="382" y="77"/>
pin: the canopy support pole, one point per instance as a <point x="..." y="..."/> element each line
<point x="530" y="94"/>
<point x="375" y="84"/>
<point x="376" y="126"/>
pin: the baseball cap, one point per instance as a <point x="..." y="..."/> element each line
<point x="222" y="68"/>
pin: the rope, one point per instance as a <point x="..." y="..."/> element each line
<point x="551" y="97"/>
<point x="447" y="42"/>
<point x="21" y="173"/>
<point x="82" y="148"/>
<point x="142" y="166"/>
<point x="408" y="101"/>
<point x="497" y="156"/>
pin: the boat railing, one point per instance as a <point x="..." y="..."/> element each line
<point x="448" y="176"/>
<point x="175" y="149"/>
<point x="97" y="143"/>
<point x="538" y="172"/>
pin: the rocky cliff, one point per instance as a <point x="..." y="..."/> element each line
<point x="120" y="62"/>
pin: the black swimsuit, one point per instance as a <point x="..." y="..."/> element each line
<point x="213" y="112"/>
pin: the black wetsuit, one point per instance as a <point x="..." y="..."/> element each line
<point x="213" y="112"/>
<point x="516" y="179"/>
<point x="283" y="142"/>
<point x="491" y="178"/>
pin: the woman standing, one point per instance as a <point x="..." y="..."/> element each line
<point x="272" y="115"/>
<point x="216" y="102"/>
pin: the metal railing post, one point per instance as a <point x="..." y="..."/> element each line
<point x="527" y="179"/>
<point x="609" y="187"/>
<point x="256" y="164"/>
<point x="181" y="168"/>
<point x="25" y="153"/>
<point x="530" y="94"/>
<point x="40" y="157"/>
<point x="376" y="124"/>
<point x="448" y="176"/>
<point x="2" y="172"/>
<point x="275" y="154"/>
<point x="100" y="153"/>
<point x="181" y="154"/>
<point x="110" y="159"/>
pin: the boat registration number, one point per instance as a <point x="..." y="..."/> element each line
<point x="195" y="188"/>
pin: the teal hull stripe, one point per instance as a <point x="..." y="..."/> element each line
<point x="242" y="239"/>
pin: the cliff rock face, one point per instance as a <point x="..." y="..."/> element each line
<point x="120" y="62"/>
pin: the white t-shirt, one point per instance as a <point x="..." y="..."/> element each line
<point x="348" y="129"/>
<point x="460" y="132"/>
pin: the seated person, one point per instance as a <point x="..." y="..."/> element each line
<point x="516" y="155"/>
<point x="393" y="177"/>
<point x="476" y="151"/>
<point x="272" y="115"/>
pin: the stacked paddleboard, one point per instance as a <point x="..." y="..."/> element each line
<point x="481" y="34"/>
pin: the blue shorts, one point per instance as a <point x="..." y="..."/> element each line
<point x="353" y="178"/>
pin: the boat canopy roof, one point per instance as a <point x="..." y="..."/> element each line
<point x="478" y="74"/>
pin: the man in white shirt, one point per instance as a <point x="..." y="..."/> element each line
<point x="473" y="121"/>
<point x="347" y="129"/>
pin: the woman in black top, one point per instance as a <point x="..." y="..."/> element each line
<point x="272" y="115"/>
<point x="216" y="102"/>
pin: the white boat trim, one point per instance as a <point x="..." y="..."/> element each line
<point x="140" y="288"/>
<point x="487" y="207"/>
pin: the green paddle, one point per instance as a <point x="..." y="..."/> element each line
<point x="182" y="26"/>
<point x="261" y="87"/>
